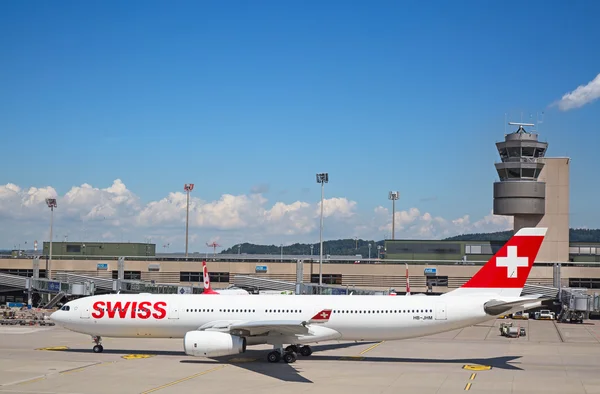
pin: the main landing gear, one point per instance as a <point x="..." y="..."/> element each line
<point x="98" y="341"/>
<point x="289" y="355"/>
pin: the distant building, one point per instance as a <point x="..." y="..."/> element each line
<point x="470" y="252"/>
<point x="100" y="249"/>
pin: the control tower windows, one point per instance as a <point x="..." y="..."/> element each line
<point x="539" y="152"/>
<point x="528" y="151"/>
<point x="503" y="154"/>
<point x="513" y="173"/>
<point x="528" y="172"/>
<point x="514" y="152"/>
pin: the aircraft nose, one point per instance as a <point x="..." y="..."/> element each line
<point x="57" y="317"/>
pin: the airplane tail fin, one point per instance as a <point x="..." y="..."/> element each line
<point x="506" y="273"/>
<point x="207" y="288"/>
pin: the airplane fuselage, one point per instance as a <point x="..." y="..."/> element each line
<point x="352" y="317"/>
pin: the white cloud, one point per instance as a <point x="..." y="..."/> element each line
<point x="414" y="224"/>
<point x="115" y="213"/>
<point x="584" y="94"/>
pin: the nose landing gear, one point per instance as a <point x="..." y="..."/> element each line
<point x="98" y="341"/>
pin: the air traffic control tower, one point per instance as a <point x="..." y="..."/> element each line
<point x="534" y="190"/>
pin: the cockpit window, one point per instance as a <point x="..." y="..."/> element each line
<point x="65" y="308"/>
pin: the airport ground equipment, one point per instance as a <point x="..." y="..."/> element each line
<point x="576" y="305"/>
<point x="510" y="331"/>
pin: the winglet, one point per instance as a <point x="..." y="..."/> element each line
<point x="207" y="288"/>
<point x="321" y="317"/>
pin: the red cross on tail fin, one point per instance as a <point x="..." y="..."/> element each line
<point x="507" y="271"/>
<point x="321" y="317"/>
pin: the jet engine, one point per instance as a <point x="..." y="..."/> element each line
<point x="212" y="344"/>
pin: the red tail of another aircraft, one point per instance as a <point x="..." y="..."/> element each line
<point x="207" y="288"/>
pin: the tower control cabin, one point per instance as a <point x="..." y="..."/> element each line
<point x="534" y="190"/>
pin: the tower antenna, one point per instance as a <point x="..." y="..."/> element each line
<point x="214" y="245"/>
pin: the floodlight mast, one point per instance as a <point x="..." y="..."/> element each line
<point x="51" y="202"/>
<point x="188" y="188"/>
<point x="394" y="196"/>
<point x="322" y="178"/>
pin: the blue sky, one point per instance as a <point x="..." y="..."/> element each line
<point x="229" y="95"/>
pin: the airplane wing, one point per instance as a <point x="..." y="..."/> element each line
<point x="497" y="307"/>
<point x="263" y="327"/>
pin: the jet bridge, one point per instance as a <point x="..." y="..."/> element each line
<point x="65" y="284"/>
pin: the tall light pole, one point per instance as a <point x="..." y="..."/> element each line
<point x="51" y="202"/>
<point x="281" y="252"/>
<point x="188" y="188"/>
<point x="394" y="196"/>
<point x="369" y="251"/>
<point x="322" y="178"/>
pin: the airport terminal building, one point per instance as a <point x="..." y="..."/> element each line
<point x="532" y="188"/>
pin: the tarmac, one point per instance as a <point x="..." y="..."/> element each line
<point x="551" y="358"/>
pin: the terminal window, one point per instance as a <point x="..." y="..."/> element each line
<point x="422" y="248"/>
<point x="328" y="279"/>
<point x="588" y="283"/>
<point x="190" y="277"/>
<point x="217" y="277"/>
<point x="128" y="275"/>
<point x="439" y="281"/>
<point x="22" y="272"/>
<point x="73" y="249"/>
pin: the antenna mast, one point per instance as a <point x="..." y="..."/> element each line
<point x="214" y="245"/>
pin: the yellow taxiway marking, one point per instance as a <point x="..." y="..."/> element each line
<point x="55" y="348"/>
<point x="468" y="387"/>
<point x="371" y="348"/>
<point x="78" y="369"/>
<point x="473" y="376"/>
<point x="184" y="379"/>
<point x="352" y="358"/>
<point x="32" y="380"/>
<point x="136" y="356"/>
<point x="476" y="367"/>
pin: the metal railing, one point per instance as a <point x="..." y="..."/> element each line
<point x="17" y="281"/>
<point x="52" y="303"/>
<point x="99" y="283"/>
<point x="545" y="291"/>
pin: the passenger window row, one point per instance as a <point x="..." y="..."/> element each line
<point x="388" y="311"/>
<point x="300" y="311"/>
<point x="223" y="310"/>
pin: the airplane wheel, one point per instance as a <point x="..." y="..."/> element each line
<point x="274" y="356"/>
<point x="98" y="349"/>
<point x="305" y="351"/>
<point x="289" y="357"/>
<point x="292" y="348"/>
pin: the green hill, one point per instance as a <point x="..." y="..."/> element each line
<point x="350" y="247"/>
<point x="575" y="235"/>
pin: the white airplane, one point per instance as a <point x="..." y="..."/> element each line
<point x="209" y="290"/>
<point x="221" y="326"/>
